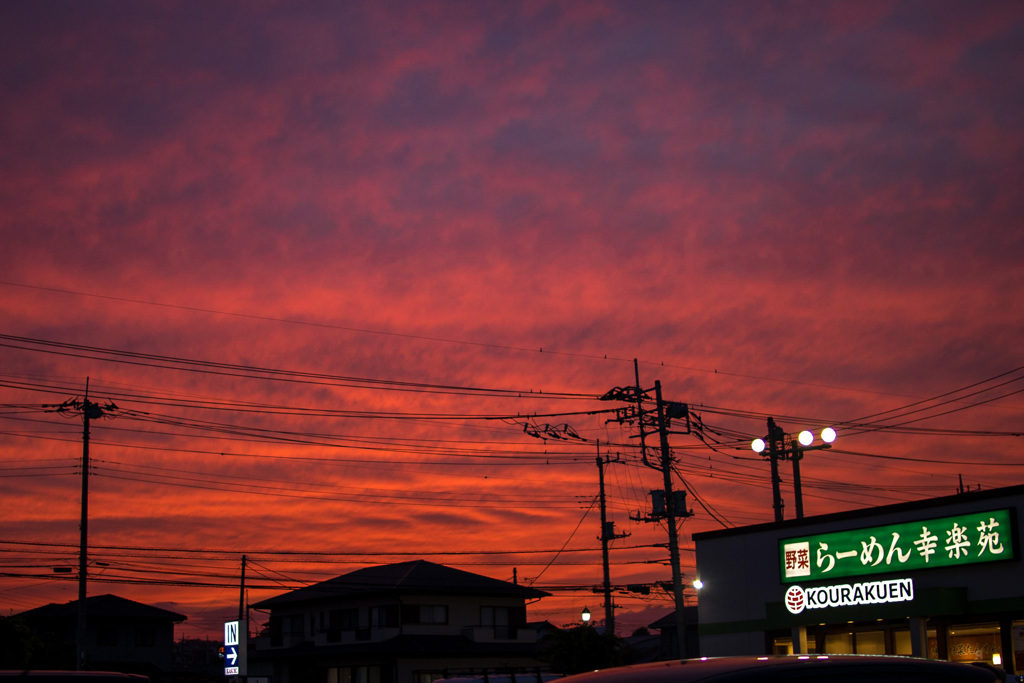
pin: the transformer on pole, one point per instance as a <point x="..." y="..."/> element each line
<point x="675" y="510"/>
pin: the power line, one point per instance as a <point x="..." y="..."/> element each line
<point x="255" y="372"/>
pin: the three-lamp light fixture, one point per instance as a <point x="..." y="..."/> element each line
<point x="806" y="438"/>
<point x="778" y="449"/>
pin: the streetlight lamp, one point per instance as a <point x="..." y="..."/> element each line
<point x="776" y="445"/>
<point x="585" y="615"/>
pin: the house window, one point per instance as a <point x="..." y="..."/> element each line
<point x="345" y="619"/>
<point x="425" y="614"/>
<point x="354" y="674"/>
<point x="106" y="635"/>
<point x="145" y="637"/>
<point x="433" y="614"/>
<point x="503" y="620"/>
<point x="341" y="620"/>
<point x="294" y="626"/>
<point x="291" y="626"/>
<point x="384" y="616"/>
<point x="276" y="635"/>
<point x="496" y="618"/>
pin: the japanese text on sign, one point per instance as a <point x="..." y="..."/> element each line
<point x="949" y="541"/>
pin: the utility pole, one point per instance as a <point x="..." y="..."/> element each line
<point x="243" y="627"/>
<point x="607" y="534"/>
<point x="640" y="395"/>
<point x="675" y="505"/>
<point x="671" y="515"/>
<point x="241" y="594"/>
<point x="89" y="411"/>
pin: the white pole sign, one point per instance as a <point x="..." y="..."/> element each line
<point x="234" y="648"/>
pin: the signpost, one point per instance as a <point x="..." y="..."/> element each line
<point x="235" y="640"/>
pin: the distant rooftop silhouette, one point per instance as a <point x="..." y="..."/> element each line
<point x="103" y="606"/>
<point x="416" y="576"/>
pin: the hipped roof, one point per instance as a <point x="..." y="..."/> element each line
<point x="417" y="577"/>
<point x="103" y="606"/>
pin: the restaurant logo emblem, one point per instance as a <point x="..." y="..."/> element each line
<point x="845" y="595"/>
<point x="796" y="600"/>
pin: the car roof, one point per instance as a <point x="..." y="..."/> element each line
<point x="795" y="668"/>
<point x="41" y="676"/>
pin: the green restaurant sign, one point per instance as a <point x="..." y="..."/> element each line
<point x="931" y="543"/>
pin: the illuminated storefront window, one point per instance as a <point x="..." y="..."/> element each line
<point x="974" y="643"/>
<point x="870" y="642"/>
<point x="1017" y="637"/>
<point x="838" y="644"/>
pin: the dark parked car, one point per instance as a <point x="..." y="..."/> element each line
<point x="796" y="669"/>
<point x="71" y="677"/>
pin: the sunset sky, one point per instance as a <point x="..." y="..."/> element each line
<point x="336" y="262"/>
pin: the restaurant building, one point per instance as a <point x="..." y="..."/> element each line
<point x="938" y="578"/>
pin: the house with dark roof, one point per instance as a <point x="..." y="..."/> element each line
<point x="668" y="645"/>
<point x="410" y="622"/>
<point x="120" y="634"/>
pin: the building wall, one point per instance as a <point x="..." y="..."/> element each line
<point x="313" y="623"/>
<point x="305" y="626"/>
<point x="743" y="591"/>
<point x="131" y="640"/>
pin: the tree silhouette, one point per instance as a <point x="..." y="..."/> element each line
<point x="583" y="648"/>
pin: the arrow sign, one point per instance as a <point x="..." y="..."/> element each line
<point x="235" y="646"/>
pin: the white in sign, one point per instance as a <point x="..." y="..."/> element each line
<point x="230" y="633"/>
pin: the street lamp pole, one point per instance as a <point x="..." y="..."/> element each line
<point x="774" y="453"/>
<point x="797" y="454"/>
<point x="775" y="444"/>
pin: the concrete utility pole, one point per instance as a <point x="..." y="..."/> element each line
<point x="89" y="411"/>
<point x="675" y="506"/>
<point x="607" y="535"/>
<point x="242" y="616"/>
<point x="672" y="514"/>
